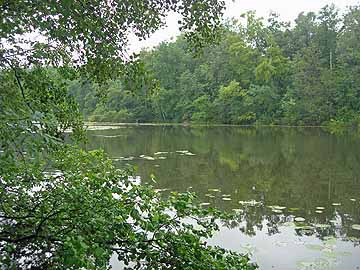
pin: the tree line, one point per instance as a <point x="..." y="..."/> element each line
<point x="261" y="72"/>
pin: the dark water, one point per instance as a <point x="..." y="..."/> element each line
<point x="269" y="175"/>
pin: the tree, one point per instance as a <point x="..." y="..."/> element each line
<point x="305" y="74"/>
<point x="64" y="208"/>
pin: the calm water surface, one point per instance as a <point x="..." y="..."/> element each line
<point x="298" y="190"/>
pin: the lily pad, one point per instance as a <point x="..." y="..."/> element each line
<point x="330" y="253"/>
<point x="277" y="207"/>
<point x="146" y="157"/>
<point x="314" y="247"/>
<point x="353" y="200"/>
<point x="299" y="219"/>
<point x="320" y="208"/>
<point x="304" y="227"/>
<point x="304" y="264"/>
<point x="204" y="204"/>
<point x="318" y="211"/>
<point x="182" y="151"/>
<point x="336" y="204"/>
<point x="160" y="153"/>
<point x="356" y="227"/>
<point x="322" y="226"/>
<point x="226" y="199"/>
<point x="251" y="203"/>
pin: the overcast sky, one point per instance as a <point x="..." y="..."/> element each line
<point x="288" y="10"/>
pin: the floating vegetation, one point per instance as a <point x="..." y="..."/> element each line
<point x="123" y="158"/>
<point x="304" y="227"/>
<point x="161" y="190"/>
<point x="251" y="203"/>
<point x="322" y="226"/>
<point x="204" y="204"/>
<point x="328" y="250"/>
<point x="316" y="264"/>
<point x="330" y="240"/>
<point x="276" y="207"/>
<point x="185" y="152"/>
<point x="226" y="199"/>
<point x="161" y="153"/>
<point x="356" y="227"/>
<point x="299" y="219"/>
<point x="314" y="247"/>
<point x="147" y="157"/>
<point x="214" y="190"/>
<point x="181" y="151"/>
<point x="336" y="204"/>
<point x="352" y="239"/>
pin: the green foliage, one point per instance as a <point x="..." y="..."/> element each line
<point x="304" y="74"/>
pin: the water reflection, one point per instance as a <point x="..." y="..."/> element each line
<point x="297" y="191"/>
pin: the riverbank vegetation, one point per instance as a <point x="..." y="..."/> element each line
<point x="62" y="207"/>
<point x="261" y="72"/>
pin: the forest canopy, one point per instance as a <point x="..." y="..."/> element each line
<point x="262" y="71"/>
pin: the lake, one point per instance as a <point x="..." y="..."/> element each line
<point x="297" y="190"/>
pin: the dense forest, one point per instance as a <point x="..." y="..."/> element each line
<point x="261" y="72"/>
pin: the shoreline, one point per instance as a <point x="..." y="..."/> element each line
<point x="195" y="125"/>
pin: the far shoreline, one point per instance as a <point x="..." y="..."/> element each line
<point x="195" y="125"/>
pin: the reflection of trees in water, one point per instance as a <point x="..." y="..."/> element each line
<point x="298" y="168"/>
